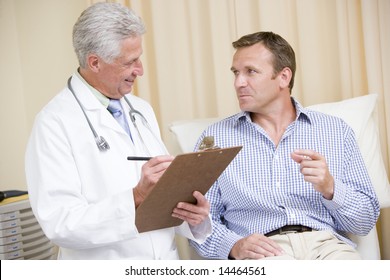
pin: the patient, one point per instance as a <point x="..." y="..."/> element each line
<point x="299" y="184"/>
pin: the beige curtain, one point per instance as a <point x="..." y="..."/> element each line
<point x="342" y="49"/>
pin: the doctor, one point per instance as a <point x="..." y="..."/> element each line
<point x="85" y="196"/>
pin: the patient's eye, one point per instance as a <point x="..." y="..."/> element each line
<point x="251" y="71"/>
<point x="235" y="72"/>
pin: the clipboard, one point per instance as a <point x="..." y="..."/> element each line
<point x="187" y="173"/>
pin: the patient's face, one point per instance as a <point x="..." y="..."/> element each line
<point x="254" y="79"/>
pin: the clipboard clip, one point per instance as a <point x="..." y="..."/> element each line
<point x="207" y="144"/>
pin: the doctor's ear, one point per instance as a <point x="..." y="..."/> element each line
<point x="93" y="62"/>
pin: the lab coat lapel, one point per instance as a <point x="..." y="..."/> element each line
<point x="94" y="109"/>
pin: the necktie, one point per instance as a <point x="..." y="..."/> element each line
<point x="115" y="108"/>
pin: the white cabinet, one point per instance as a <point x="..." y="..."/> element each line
<point x="21" y="237"/>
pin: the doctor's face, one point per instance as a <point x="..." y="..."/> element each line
<point x="116" y="79"/>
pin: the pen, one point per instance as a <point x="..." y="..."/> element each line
<point x="139" y="158"/>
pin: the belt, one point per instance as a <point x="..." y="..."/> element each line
<point x="288" y="229"/>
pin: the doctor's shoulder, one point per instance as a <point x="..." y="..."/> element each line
<point x="59" y="107"/>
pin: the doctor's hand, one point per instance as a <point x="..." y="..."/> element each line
<point x="151" y="172"/>
<point x="315" y="171"/>
<point x="194" y="214"/>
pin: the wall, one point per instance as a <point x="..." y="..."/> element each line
<point x="36" y="57"/>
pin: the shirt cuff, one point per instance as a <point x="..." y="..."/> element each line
<point x="339" y="195"/>
<point x="198" y="233"/>
<point x="227" y="244"/>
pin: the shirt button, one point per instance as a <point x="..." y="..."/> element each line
<point x="277" y="184"/>
<point x="292" y="216"/>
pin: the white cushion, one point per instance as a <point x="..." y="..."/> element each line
<point x="360" y="113"/>
<point x="187" y="132"/>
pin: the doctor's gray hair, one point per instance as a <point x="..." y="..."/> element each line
<point x="101" y="28"/>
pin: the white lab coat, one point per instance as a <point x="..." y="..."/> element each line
<point x="83" y="197"/>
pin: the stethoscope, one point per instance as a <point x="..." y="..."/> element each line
<point x="102" y="143"/>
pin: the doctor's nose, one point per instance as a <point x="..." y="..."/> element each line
<point x="138" y="68"/>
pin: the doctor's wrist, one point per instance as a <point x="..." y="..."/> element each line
<point x="139" y="197"/>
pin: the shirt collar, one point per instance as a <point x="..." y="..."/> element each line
<point x="101" y="97"/>
<point x="301" y="113"/>
<point x="300" y="110"/>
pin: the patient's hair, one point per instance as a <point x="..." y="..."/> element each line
<point x="283" y="53"/>
<point x="101" y="28"/>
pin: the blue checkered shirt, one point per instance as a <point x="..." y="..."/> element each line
<point x="262" y="189"/>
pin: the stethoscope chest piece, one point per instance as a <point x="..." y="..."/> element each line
<point x="102" y="144"/>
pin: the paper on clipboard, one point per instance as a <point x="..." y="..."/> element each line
<point x="187" y="173"/>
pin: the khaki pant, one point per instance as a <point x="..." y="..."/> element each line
<point x="315" y="245"/>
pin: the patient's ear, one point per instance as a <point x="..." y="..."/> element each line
<point x="285" y="77"/>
